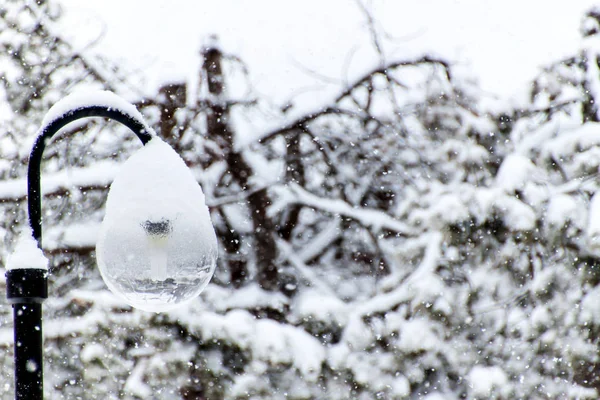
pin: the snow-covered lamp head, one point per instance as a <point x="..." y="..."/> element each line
<point x="157" y="248"/>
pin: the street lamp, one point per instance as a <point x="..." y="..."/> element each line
<point x="157" y="248"/>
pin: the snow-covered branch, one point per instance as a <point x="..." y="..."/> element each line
<point x="371" y="218"/>
<point x="383" y="69"/>
<point x="305" y="270"/>
<point x="401" y="292"/>
<point x="94" y="176"/>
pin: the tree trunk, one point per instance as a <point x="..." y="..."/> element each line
<point x="240" y="170"/>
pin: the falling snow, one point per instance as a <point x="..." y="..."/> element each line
<point x="406" y="236"/>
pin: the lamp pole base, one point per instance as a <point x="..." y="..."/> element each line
<point x="26" y="289"/>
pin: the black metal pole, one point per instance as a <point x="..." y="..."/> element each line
<point x="27" y="288"/>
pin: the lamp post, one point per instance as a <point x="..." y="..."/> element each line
<point x="157" y="247"/>
<point x="27" y="288"/>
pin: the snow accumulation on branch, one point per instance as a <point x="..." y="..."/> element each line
<point x="78" y="236"/>
<point x="321" y="241"/>
<point x="388" y="301"/>
<point x="266" y="339"/>
<point x="299" y="121"/>
<point x="306" y="271"/>
<point x="375" y="219"/>
<point x="302" y="121"/>
<point x="95" y="68"/>
<point x="97" y="175"/>
<point x="233" y="199"/>
<point x="415" y="282"/>
<point x="403" y="63"/>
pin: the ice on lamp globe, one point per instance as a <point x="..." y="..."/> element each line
<point x="157" y="248"/>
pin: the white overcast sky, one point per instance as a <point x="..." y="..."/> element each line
<point x="502" y="42"/>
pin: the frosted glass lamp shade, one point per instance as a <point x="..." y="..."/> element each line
<point x="157" y="248"/>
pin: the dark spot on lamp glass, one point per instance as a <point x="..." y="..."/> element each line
<point x="159" y="228"/>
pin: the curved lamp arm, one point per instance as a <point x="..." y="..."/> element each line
<point x="138" y="127"/>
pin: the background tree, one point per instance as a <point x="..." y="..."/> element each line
<point x="405" y="240"/>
